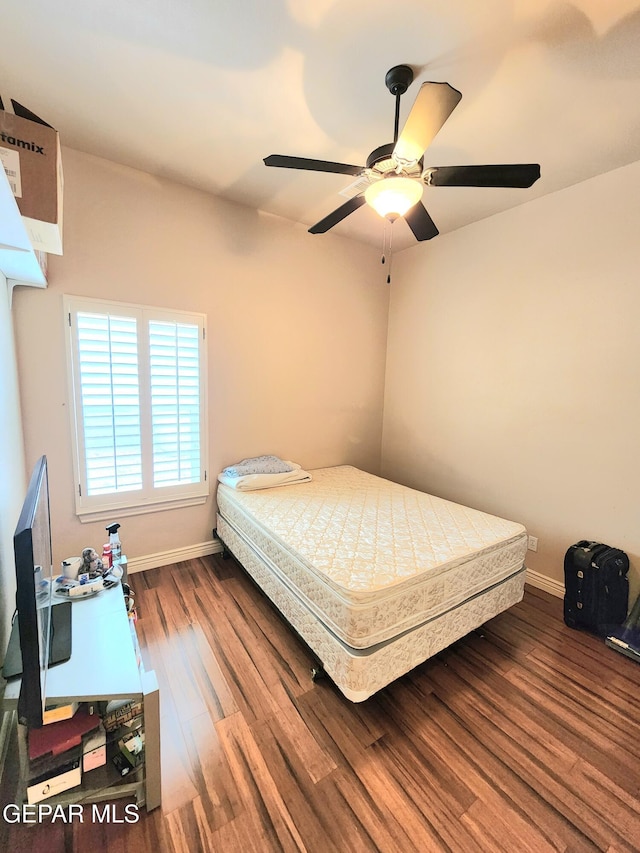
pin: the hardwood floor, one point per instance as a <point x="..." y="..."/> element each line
<point x="524" y="737"/>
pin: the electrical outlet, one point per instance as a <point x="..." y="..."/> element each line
<point x="532" y="543"/>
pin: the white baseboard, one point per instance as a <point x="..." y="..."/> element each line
<point x="546" y="583"/>
<point x="166" y="558"/>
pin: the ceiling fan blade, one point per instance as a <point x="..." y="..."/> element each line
<point x="338" y="215"/>
<point x="285" y="162"/>
<point x="432" y="107"/>
<point x="513" y="175"/>
<point x="422" y="225"/>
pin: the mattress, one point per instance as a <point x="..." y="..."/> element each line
<point x="359" y="673"/>
<point x="370" y="559"/>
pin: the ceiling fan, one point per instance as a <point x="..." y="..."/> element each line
<point x="393" y="179"/>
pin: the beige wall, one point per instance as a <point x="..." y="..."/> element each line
<point x="296" y="345"/>
<point x="12" y="468"/>
<point x="513" y="368"/>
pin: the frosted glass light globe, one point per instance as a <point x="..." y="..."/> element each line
<point x="393" y="197"/>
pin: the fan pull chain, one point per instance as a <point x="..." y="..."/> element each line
<point x="386" y="247"/>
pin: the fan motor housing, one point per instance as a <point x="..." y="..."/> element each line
<point x="382" y="162"/>
<point x="383" y="152"/>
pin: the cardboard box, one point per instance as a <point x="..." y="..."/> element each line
<point x="30" y="154"/>
<point x="61" y="780"/>
<point x="132" y="747"/>
<point x="94" y="750"/>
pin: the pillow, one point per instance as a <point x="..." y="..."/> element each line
<point x="258" y="465"/>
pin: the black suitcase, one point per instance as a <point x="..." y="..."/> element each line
<point x="596" y="587"/>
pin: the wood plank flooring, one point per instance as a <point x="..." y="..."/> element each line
<point x="522" y="737"/>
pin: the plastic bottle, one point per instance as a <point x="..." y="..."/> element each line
<point x="106" y="556"/>
<point x="114" y="541"/>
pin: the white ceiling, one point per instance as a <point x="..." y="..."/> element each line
<point x="201" y="90"/>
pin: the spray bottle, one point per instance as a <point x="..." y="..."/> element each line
<point x="114" y="541"/>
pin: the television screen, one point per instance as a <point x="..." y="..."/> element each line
<point x="41" y="633"/>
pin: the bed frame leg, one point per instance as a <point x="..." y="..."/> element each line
<point x="226" y="553"/>
<point x="317" y="672"/>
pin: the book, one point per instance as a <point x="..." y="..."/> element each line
<point x="119" y="714"/>
<point x="55" y="713"/>
<point x="61" y="736"/>
<point x="52" y="765"/>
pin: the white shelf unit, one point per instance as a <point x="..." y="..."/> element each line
<point x="18" y="261"/>
<point x="104" y="666"/>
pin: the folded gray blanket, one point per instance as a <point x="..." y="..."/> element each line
<point x="258" y="465"/>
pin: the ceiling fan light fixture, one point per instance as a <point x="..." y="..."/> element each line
<point x="393" y="179"/>
<point x="394" y="196"/>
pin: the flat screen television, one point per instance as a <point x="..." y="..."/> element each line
<point x="41" y="631"/>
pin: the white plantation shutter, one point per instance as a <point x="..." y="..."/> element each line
<point x="137" y="376"/>
<point x="175" y="402"/>
<point x="110" y="399"/>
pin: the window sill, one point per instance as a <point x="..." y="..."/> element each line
<point x="88" y="515"/>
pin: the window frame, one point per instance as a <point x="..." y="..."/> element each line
<point x="149" y="498"/>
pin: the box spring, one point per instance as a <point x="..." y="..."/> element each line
<point x="374" y="576"/>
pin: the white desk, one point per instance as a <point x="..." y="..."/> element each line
<point x="103" y="658"/>
<point x="104" y="666"/>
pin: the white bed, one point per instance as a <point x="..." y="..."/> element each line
<point x="374" y="576"/>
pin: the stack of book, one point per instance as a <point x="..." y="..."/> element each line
<point x="78" y="739"/>
<point x="55" y="752"/>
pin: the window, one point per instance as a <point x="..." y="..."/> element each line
<point x="138" y="380"/>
